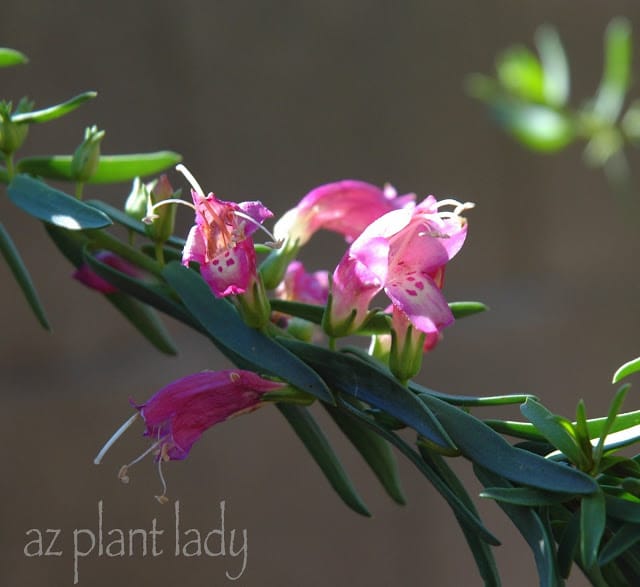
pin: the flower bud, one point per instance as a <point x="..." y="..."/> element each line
<point x="163" y="218"/>
<point x="87" y="156"/>
<point x="13" y="134"/>
<point x="135" y="205"/>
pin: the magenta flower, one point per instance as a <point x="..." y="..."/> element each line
<point x="178" y="414"/>
<point x="300" y="286"/>
<point x="87" y="276"/>
<point x="346" y="207"/>
<point x="403" y="253"/>
<point x="220" y="240"/>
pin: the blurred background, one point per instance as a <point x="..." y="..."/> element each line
<point x="268" y="100"/>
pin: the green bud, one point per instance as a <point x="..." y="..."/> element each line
<point x="274" y="267"/>
<point x="161" y="222"/>
<point x="407" y="349"/>
<point x="13" y="134"/>
<point x="87" y="156"/>
<point x="135" y="205"/>
<point x="254" y="304"/>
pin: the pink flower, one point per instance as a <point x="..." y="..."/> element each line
<point x="87" y="276"/>
<point x="403" y="253"/>
<point x="220" y="241"/>
<point x="178" y="414"/>
<point x="300" y="286"/>
<point x="346" y="207"/>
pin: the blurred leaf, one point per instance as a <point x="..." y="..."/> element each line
<point x="464" y="309"/>
<point x="529" y="524"/>
<point x="624" y="510"/>
<point x="312" y="437"/>
<point x="538" y="127"/>
<point x="53" y="112"/>
<point x="22" y="277"/>
<point x="226" y="328"/>
<point x="145" y="320"/>
<point x="525" y="496"/>
<point x="374" y="450"/>
<point x="46" y="203"/>
<point x="558" y="431"/>
<point x="361" y="381"/>
<point x="629" y="368"/>
<point x="592" y="524"/>
<point x="479" y="548"/>
<point x="555" y="66"/>
<point x="119" y="217"/>
<point x="520" y="73"/>
<point x="111" y="168"/>
<point x="9" y="57"/>
<point x="568" y="544"/>
<point x="458" y="506"/>
<point x="480" y="444"/>
<point x="617" y="70"/>
<point x="625" y="537"/>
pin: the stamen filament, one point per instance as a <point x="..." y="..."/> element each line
<point x="275" y="242"/>
<point x="192" y="180"/>
<point x="150" y="217"/>
<point x="117" y="434"/>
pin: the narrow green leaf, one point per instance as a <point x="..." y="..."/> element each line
<point x="111" y="169"/>
<point x="464" y="309"/>
<point x="318" y="446"/>
<point x="479" y="443"/>
<point x="532" y="528"/>
<point x="593" y="518"/>
<point x="629" y="368"/>
<point x="481" y="551"/>
<point x="525" y="496"/>
<point x="614" y="408"/>
<point x="568" y="544"/>
<point x="555" y="66"/>
<point x="22" y="276"/>
<point x="53" y="112"/>
<point x="46" y="203"/>
<point x="358" y="379"/>
<point x="626" y="536"/>
<point x="617" y="70"/>
<point x="457" y="505"/>
<point x="524" y="430"/>
<point x="226" y="328"/>
<point x="145" y="321"/>
<point x="374" y="450"/>
<point x="581" y="429"/>
<point x="624" y="510"/>
<point x="311" y="312"/>
<point x="557" y="430"/>
<point x="10" y="57"/>
<point x="520" y="73"/>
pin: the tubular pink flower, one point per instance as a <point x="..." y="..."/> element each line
<point x="403" y="253"/>
<point x="300" y="286"/>
<point x="220" y="242"/>
<point x="346" y="207"/>
<point x="85" y="275"/>
<point x="177" y="415"/>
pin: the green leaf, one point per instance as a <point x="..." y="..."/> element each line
<point x="46" y="203"/>
<point x="226" y="328"/>
<point x="536" y="126"/>
<point x="111" y="168"/>
<point x="520" y="73"/>
<point x="532" y="528"/>
<point x="22" y="277"/>
<point x="624" y="510"/>
<point x="374" y="450"/>
<point x="9" y="57"/>
<point x="568" y="544"/>
<point x="524" y="430"/>
<point x="629" y="368"/>
<point x="145" y="321"/>
<point x="593" y="517"/>
<point x="311" y="312"/>
<point x="525" y="496"/>
<point x="53" y="112"/>
<point x="555" y="66"/>
<point x="617" y="70"/>
<point x="464" y="309"/>
<point x="558" y="431"/>
<point x="358" y="379"/>
<point x="312" y="437"/>
<point x="458" y="506"/>
<point x="614" y="408"/>
<point x="626" y="536"/>
<point x="481" y="551"/>
<point x="480" y="444"/>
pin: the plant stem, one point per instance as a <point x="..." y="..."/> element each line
<point x="104" y="240"/>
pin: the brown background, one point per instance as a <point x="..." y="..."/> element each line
<point x="267" y="100"/>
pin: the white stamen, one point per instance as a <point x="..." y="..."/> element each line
<point x="458" y="207"/>
<point x="118" y="433"/>
<point x="145" y="453"/>
<point x="276" y="244"/>
<point x="192" y="180"/>
<point x="150" y="217"/>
